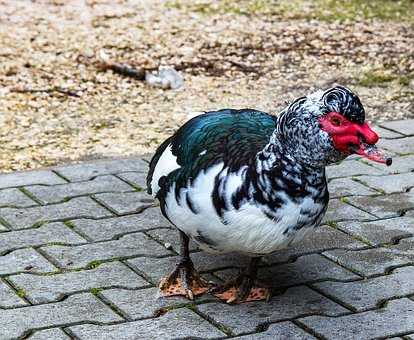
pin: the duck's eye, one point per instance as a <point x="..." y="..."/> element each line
<point x="336" y="121"/>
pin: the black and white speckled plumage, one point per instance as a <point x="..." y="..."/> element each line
<point x="240" y="180"/>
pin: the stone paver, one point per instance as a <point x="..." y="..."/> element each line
<point x="386" y="205"/>
<point x="107" y="229"/>
<point x="82" y="250"/>
<point x="19" y="179"/>
<point x="137" y="244"/>
<point x="390" y="184"/>
<point x="170" y="237"/>
<point x="50" y="334"/>
<point x="406" y="127"/>
<point x="89" y="170"/>
<point x="352" y="168"/>
<point x="57" y="193"/>
<point x="141" y="303"/>
<point x="9" y="298"/>
<point x="164" y="327"/>
<point x="248" y="316"/>
<point x="375" y="261"/>
<point x="367" y="294"/>
<point x="75" y="208"/>
<point x="24" y="260"/>
<point x="74" y="309"/>
<point x="137" y="179"/>
<point x="396" y="317"/>
<point x="399" y="146"/>
<point x="55" y="232"/>
<point x="380" y="231"/>
<point x="42" y="289"/>
<point x="15" y="198"/>
<point x="306" y="269"/>
<point x="282" y="330"/>
<point x="338" y="210"/>
<point x="126" y="203"/>
<point x="386" y="134"/>
<point x="399" y="164"/>
<point x="342" y="187"/>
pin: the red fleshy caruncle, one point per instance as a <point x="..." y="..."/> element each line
<point x="349" y="137"/>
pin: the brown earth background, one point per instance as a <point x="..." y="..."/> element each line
<point x="57" y="106"/>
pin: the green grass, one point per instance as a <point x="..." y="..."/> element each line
<point x="324" y="10"/>
<point x="381" y="77"/>
<point x="21" y="293"/>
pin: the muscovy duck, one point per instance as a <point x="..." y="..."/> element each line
<point x="248" y="182"/>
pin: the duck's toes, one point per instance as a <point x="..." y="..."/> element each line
<point x="185" y="281"/>
<point x="233" y="295"/>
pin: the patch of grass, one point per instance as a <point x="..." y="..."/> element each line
<point x="324" y="10"/>
<point x="21" y="293"/>
<point x="94" y="264"/>
<point x="95" y="291"/>
<point x="382" y="77"/>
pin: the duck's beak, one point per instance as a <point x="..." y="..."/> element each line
<point x="372" y="152"/>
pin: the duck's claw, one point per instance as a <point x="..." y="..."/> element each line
<point x="184" y="280"/>
<point x="240" y="290"/>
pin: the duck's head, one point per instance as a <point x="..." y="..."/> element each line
<point x="328" y="126"/>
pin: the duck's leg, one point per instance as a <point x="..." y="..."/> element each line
<point x="244" y="287"/>
<point x="184" y="279"/>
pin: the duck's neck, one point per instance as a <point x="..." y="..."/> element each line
<point x="278" y="160"/>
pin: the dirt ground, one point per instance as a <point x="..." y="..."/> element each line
<point x="56" y="106"/>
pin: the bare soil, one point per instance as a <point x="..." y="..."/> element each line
<point x="57" y="106"/>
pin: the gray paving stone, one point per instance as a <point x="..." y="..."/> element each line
<point x="27" y="260"/>
<point x="341" y="211"/>
<point x="49" y="233"/>
<point x="351" y="168"/>
<point x="137" y="244"/>
<point x="386" y="134"/>
<point x="75" y="308"/>
<point x="19" y="179"/>
<point x="107" y="229"/>
<point x="87" y="170"/>
<point x="342" y="187"/>
<point x="9" y="298"/>
<point x="367" y="294"/>
<point x="385" y="205"/>
<point x="137" y="179"/>
<point x="380" y="231"/>
<point x="399" y="146"/>
<point x="283" y="331"/>
<point x="396" y="317"/>
<point x="126" y="203"/>
<point x="42" y="289"/>
<point x="15" y="198"/>
<point x="50" y="334"/>
<point x="248" y="316"/>
<point x="405" y="127"/>
<point x="165" y="327"/>
<point x="142" y="303"/>
<point x="75" y="208"/>
<point x="391" y="183"/>
<point x="156" y="268"/>
<point x="170" y="237"/>
<point x="375" y="261"/>
<point x="400" y="164"/>
<point x="57" y="193"/>
<point x="307" y="268"/>
<point x="319" y="240"/>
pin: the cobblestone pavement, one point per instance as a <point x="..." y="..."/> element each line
<point x="82" y="248"/>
